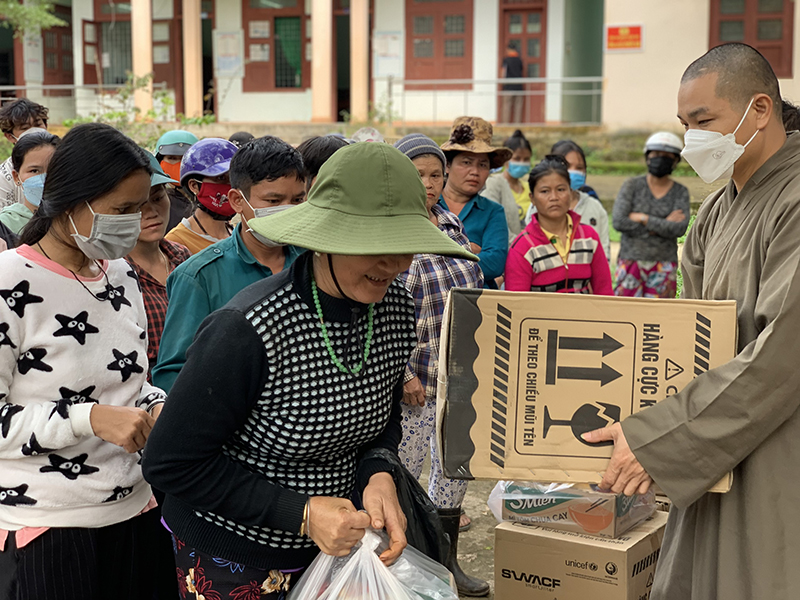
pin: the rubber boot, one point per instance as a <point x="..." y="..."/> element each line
<point x="467" y="586"/>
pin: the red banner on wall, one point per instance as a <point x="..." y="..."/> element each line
<point x="624" y="37"/>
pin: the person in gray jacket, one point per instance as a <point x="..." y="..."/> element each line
<point x="651" y="212"/>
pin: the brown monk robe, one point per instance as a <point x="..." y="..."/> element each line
<point x="742" y="416"/>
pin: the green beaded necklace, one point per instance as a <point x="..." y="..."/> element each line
<point x="357" y="369"/>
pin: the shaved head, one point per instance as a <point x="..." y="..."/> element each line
<point x="742" y="72"/>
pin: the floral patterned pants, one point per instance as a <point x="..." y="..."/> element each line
<point x="419" y="426"/>
<point x="646" y="279"/>
<point x="204" y="577"/>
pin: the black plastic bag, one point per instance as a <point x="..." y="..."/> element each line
<point x="424" y="530"/>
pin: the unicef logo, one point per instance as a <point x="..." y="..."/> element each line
<point x="593" y="566"/>
<point x="611" y="568"/>
<point x="718" y="154"/>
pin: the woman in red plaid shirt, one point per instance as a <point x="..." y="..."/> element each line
<point x="154" y="258"/>
<point x="429" y="280"/>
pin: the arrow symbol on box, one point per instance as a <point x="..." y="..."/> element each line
<point x="606" y="344"/>
<point x="604" y="374"/>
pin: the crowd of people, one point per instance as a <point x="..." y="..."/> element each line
<point x="217" y="359"/>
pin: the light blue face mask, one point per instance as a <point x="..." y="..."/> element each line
<point x="577" y="179"/>
<point x="518" y="169"/>
<point x="33" y="187"/>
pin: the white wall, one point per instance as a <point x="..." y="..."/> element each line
<point x="555" y="59"/>
<point x="234" y="105"/>
<point x="790" y="88"/>
<point x="485" y="60"/>
<point x="388" y="18"/>
<point x="85" y="102"/>
<point x="441" y="106"/>
<point x="640" y="88"/>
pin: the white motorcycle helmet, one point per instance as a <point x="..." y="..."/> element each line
<point x="664" y="142"/>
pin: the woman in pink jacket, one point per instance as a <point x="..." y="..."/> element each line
<point x="555" y="253"/>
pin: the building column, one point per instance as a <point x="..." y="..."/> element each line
<point x="359" y="60"/>
<point x="322" y="61"/>
<point x="142" y="59"/>
<point x="192" y="59"/>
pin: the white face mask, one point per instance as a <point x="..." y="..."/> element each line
<point x="112" y="236"/>
<point x="259" y="213"/>
<point x="712" y="154"/>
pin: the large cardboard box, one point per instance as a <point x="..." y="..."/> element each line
<point x="522" y="375"/>
<point x="534" y="563"/>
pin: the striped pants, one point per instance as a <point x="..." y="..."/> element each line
<point x="122" y="561"/>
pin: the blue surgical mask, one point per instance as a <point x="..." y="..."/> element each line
<point x="518" y="169"/>
<point x="33" y="187"/>
<point x="577" y="179"/>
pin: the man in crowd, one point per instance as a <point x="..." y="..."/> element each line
<point x="742" y="416"/>
<point x="15" y="119"/>
<point x="267" y="176"/>
<point x="513" y="98"/>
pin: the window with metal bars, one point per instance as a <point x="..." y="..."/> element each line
<point x="277" y="45"/>
<point x="115" y="56"/>
<point x="288" y="52"/>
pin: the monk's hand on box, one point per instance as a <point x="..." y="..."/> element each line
<point x="383" y="507"/>
<point x="414" y="392"/>
<point x="624" y="473"/>
<point x="335" y="525"/>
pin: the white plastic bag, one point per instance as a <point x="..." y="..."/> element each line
<point x="362" y="576"/>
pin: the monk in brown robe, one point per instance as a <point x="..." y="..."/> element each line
<point x="742" y="416"/>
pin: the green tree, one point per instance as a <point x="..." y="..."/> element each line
<point x="29" y="17"/>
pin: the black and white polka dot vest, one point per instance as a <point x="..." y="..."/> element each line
<point x="305" y="431"/>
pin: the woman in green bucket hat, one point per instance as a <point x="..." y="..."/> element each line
<point x="265" y="436"/>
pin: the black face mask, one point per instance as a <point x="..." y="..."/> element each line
<point x="660" y="166"/>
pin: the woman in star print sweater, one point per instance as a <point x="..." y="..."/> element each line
<point x="75" y="407"/>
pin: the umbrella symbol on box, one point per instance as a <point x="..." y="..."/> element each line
<point x="588" y="417"/>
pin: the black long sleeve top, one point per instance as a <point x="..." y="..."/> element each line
<point x="260" y="418"/>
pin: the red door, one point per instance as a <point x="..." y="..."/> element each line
<point x="524" y="28"/>
<point x="58" y="53"/>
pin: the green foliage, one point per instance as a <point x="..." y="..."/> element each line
<point x="144" y="129"/>
<point x="206" y="119"/>
<point x="29" y="17"/>
<point x="383" y="111"/>
<point x="681" y="241"/>
<point x="630" y="169"/>
<point x="5" y="148"/>
<point x="613" y="234"/>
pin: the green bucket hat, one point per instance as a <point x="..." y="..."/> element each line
<point x="368" y="199"/>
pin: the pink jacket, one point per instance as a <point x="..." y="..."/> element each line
<point x="534" y="265"/>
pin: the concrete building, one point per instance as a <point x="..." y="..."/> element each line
<point x="610" y="62"/>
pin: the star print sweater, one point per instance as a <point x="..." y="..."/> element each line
<point x="260" y="418"/>
<point x="62" y="350"/>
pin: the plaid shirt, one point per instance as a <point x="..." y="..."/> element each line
<point x="155" y="297"/>
<point x="429" y="280"/>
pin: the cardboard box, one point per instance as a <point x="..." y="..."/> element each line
<point x="534" y="563"/>
<point x="570" y="507"/>
<point x="522" y="375"/>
